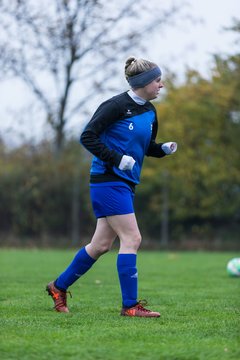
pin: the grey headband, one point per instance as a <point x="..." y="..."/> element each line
<point x="143" y="79"/>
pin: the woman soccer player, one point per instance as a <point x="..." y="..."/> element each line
<point x="121" y="132"/>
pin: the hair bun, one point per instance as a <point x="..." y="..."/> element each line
<point x="135" y="66"/>
<point x="130" y="60"/>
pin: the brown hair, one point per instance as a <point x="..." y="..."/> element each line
<point x="134" y="66"/>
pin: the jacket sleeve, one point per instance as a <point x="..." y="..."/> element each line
<point x="154" y="149"/>
<point x="107" y="113"/>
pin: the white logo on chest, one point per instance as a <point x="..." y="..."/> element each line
<point x="131" y="126"/>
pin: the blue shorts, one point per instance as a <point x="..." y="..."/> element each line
<point x="111" y="198"/>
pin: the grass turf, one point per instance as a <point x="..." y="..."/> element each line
<point x="198" y="301"/>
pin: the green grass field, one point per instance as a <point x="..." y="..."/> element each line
<point x="199" y="303"/>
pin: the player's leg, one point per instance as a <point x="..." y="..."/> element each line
<point x="84" y="259"/>
<point x="102" y="239"/>
<point x="129" y="235"/>
<point x="126" y="228"/>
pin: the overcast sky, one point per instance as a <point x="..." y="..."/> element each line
<point x="188" y="45"/>
<point x="193" y="45"/>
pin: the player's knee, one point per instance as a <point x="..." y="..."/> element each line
<point x="132" y="242"/>
<point x="137" y="240"/>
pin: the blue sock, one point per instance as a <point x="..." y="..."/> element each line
<point x="80" y="264"/>
<point x="128" y="277"/>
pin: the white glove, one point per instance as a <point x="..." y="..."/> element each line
<point x="126" y="163"/>
<point x="169" y="147"/>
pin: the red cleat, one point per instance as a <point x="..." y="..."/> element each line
<point x="59" y="297"/>
<point x="139" y="310"/>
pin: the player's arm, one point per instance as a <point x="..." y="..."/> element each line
<point x="161" y="149"/>
<point x="154" y="149"/>
<point x="107" y="113"/>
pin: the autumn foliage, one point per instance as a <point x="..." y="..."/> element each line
<point x="195" y="193"/>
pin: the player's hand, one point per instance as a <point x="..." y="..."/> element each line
<point x="126" y="163"/>
<point x="169" y="147"/>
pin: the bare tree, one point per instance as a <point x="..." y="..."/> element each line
<point x="66" y="50"/>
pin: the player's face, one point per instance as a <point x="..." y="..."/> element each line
<point x="152" y="90"/>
